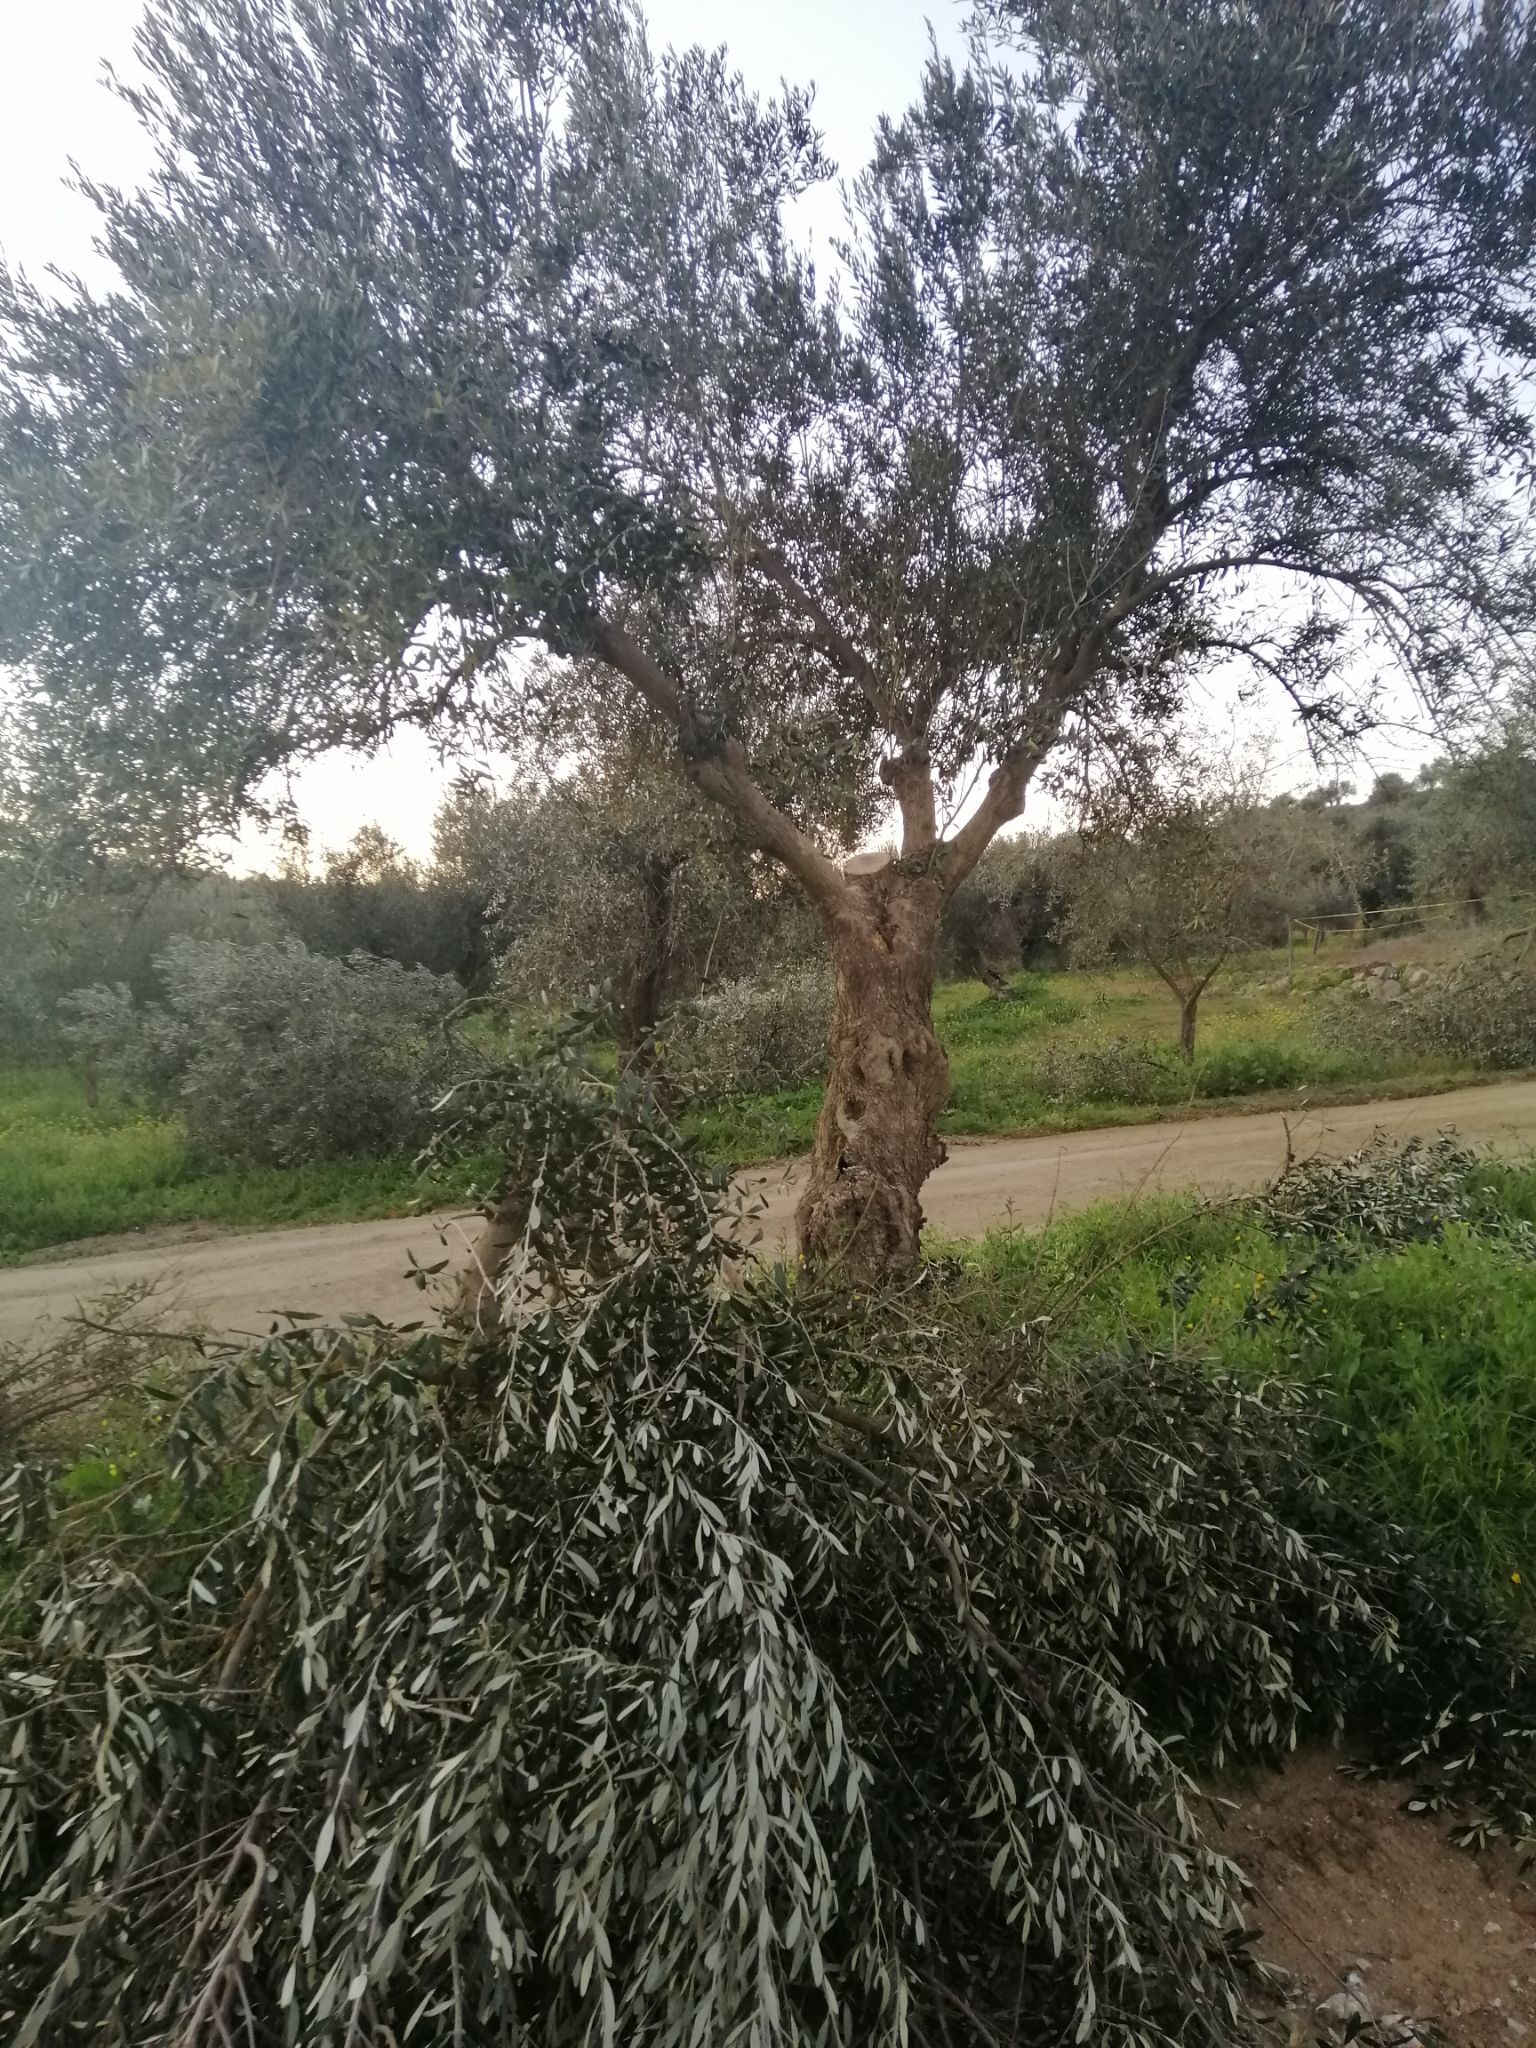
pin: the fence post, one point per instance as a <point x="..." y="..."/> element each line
<point x="1290" y="950"/>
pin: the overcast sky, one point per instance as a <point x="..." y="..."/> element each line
<point x="864" y="57"/>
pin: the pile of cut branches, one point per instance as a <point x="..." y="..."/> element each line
<point x="683" y="1662"/>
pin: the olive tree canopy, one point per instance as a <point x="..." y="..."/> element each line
<point x="1162" y="336"/>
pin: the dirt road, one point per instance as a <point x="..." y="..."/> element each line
<point x="237" y="1283"/>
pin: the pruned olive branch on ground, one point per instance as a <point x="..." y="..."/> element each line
<point x="678" y="1659"/>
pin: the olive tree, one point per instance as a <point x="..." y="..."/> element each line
<point x="1011" y="907"/>
<point x="369" y="896"/>
<point x="1160" y="337"/>
<point x="1476" y="829"/>
<point x="611" y="871"/>
<point x="1184" y="876"/>
<point x="274" y="1055"/>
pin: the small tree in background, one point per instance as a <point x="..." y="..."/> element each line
<point x="1183" y="878"/>
<point x="370" y="897"/>
<point x="1475" y="830"/>
<point x="601" y="880"/>
<point x="1164" y="336"/>
<point x="111" y="925"/>
<point x="611" y="871"/>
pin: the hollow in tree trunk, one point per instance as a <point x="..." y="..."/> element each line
<point x="887" y="1080"/>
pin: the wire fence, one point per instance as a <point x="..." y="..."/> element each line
<point x="1366" y="925"/>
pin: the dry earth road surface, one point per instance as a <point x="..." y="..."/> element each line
<point x="237" y="1283"/>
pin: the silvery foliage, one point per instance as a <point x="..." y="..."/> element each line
<point x="275" y="1055"/>
<point x="690" y="1665"/>
<point x="1390" y="1194"/>
<point x="752" y="1036"/>
<point x="1483" y="1012"/>
<point x="598" y="893"/>
<point x="449" y="325"/>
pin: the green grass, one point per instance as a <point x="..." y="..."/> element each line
<point x="1069" y="1052"/>
<point x="1423" y="1357"/>
<point x="1065" y="1052"/>
<point x="69" y="1172"/>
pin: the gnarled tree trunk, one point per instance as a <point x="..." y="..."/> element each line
<point x="887" y="1080"/>
<point x="478" y="1303"/>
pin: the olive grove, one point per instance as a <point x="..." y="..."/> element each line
<point x="1161" y="338"/>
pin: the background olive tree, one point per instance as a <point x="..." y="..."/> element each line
<point x="274" y="1055"/>
<point x="1009" y="913"/>
<point x="1183" y="874"/>
<point x="1476" y="830"/>
<point x="598" y="866"/>
<point x="369" y="896"/>
<point x="1162" y="337"/>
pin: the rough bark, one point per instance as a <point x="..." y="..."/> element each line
<point x="887" y="1080"/>
<point x="479" y="1304"/>
<point x="640" y="1012"/>
<point x="1188" y="1008"/>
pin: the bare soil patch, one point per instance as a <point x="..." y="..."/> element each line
<point x="1359" y="1901"/>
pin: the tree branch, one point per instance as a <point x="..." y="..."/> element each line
<point x="1215" y="968"/>
<point x="909" y="777"/>
<point x="1003" y="798"/>
<point x="1170" y="980"/>
<point x="1001" y="803"/>
<point x="850" y="661"/>
<point x="720" y="769"/>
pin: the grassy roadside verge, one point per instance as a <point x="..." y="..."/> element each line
<point x="763" y="1129"/>
<point x="1073" y="1052"/>
<point x="1065" y="1052"/>
<point x="1421" y="1351"/>
<point x="69" y="1181"/>
<point x="68" y="1172"/>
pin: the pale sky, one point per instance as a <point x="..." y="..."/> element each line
<point x="864" y="57"/>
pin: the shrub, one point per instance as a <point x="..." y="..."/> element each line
<point x="754" y="1037"/>
<point x="1115" y="1070"/>
<point x="684" y="1664"/>
<point x="1485" y="1013"/>
<point x="275" y="1055"/>
<point x="1247" y="1067"/>
<point x="1390" y="1194"/>
<point x="143" y="1046"/>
